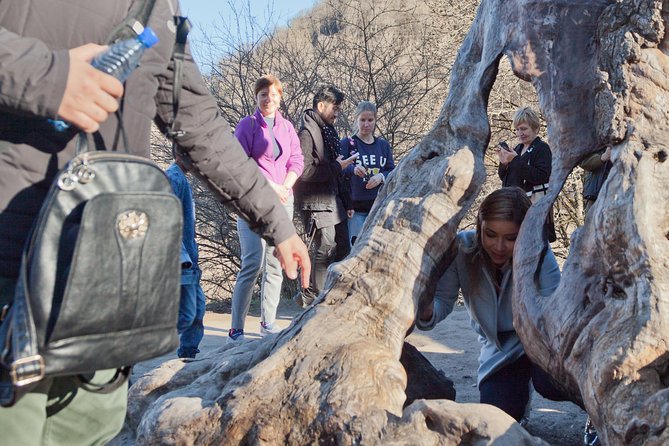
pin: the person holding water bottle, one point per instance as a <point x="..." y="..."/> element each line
<point x="119" y="60"/>
<point x="46" y="49"/>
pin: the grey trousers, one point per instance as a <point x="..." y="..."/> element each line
<point x="255" y="255"/>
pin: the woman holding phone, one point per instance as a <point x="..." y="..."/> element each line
<point x="528" y="164"/>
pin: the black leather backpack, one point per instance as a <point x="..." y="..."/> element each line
<point x="99" y="280"/>
<point x="100" y="275"/>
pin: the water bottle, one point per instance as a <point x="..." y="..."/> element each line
<point x="120" y="60"/>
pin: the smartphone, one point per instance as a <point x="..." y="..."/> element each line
<point x="505" y="146"/>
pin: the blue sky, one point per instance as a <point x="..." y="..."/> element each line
<point x="206" y="13"/>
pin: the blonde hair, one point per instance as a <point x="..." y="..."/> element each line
<point x="365" y="106"/>
<point x="528" y="116"/>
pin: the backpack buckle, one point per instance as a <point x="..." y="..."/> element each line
<point x="27" y="370"/>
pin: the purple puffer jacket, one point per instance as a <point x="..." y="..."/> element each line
<point x="253" y="135"/>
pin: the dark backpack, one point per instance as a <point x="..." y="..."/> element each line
<point x="99" y="284"/>
<point x="100" y="275"/>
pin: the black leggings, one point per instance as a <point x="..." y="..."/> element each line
<point x="509" y="387"/>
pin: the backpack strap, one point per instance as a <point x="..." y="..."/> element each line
<point x="134" y="23"/>
<point x="116" y="381"/>
<point x="183" y="27"/>
<point x="22" y="365"/>
<point x="129" y="28"/>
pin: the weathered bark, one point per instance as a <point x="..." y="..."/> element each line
<point x="334" y="375"/>
<point x="447" y="423"/>
<point x="605" y="331"/>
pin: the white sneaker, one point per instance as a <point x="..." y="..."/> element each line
<point x="266" y="329"/>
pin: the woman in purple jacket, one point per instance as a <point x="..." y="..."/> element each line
<point x="272" y="142"/>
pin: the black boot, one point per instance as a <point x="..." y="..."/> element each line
<point x="305" y="297"/>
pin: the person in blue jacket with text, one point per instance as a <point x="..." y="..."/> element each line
<point x="374" y="163"/>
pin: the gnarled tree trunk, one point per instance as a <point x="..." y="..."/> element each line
<point x="605" y="331"/>
<point x="334" y="376"/>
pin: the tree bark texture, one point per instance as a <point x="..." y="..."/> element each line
<point x="600" y="69"/>
<point x="334" y="377"/>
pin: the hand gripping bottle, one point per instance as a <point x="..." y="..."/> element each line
<point x="120" y="60"/>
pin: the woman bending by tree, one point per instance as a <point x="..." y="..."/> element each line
<point x="482" y="271"/>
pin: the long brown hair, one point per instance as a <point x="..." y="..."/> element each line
<point x="506" y="204"/>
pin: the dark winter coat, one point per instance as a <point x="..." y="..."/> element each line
<point x="34" y="40"/>
<point x="533" y="168"/>
<point x="531" y="171"/>
<point x="321" y="187"/>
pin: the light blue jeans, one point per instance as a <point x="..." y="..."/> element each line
<point x="355" y="224"/>
<point x="255" y="255"/>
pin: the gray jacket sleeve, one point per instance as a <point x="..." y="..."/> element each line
<point x="218" y="157"/>
<point x="592" y="162"/>
<point x="32" y="77"/>
<point x="445" y="296"/>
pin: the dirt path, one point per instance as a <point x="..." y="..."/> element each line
<point x="452" y="346"/>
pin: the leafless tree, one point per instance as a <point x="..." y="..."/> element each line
<point x="395" y="53"/>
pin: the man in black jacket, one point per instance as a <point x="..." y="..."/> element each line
<point x="320" y="193"/>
